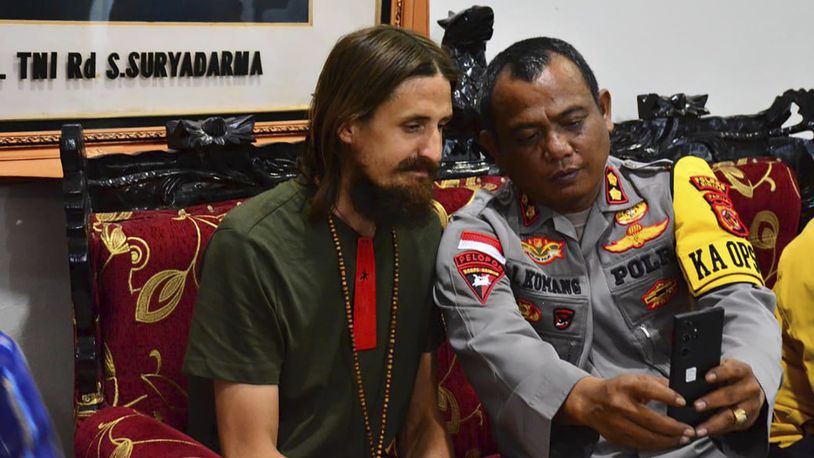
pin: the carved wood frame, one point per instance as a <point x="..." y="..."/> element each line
<point x="35" y="154"/>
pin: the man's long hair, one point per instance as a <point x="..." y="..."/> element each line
<point x="361" y="72"/>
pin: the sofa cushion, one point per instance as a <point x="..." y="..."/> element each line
<point x="123" y="432"/>
<point x="764" y="190"/>
<point x="146" y="267"/>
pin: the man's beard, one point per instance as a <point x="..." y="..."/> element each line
<point x="401" y="205"/>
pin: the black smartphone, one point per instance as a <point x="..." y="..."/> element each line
<point x="696" y="350"/>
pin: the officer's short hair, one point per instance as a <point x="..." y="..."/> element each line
<point x="526" y="60"/>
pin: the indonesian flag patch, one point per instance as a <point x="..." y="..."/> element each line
<point x="480" y="271"/>
<point x="484" y="243"/>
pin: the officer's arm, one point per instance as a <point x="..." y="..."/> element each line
<point x="248" y="417"/>
<point x="519" y="378"/>
<point x="721" y="270"/>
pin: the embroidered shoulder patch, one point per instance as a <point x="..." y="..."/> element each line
<point x="529" y="311"/>
<point x="724" y="210"/>
<point x="543" y="250"/>
<point x="632" y="214"/>
<point x="480" y="271"/>
<point x="707" y="183"/>
<point x="484" y="243"/>
<point x="710" y="236"/>
<point x="637" y="236"/>
<point x="614" y="194"/>
<point x="660" y="293"/>
<point x="563" y="317"/>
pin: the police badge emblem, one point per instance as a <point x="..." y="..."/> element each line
<point x="563" y="317"/>
<point x="542" y="250"/>
<point x="632" y="214"/>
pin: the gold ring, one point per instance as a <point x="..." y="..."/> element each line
<point x="740" y="416"/>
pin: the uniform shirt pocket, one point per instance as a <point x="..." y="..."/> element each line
<point x="562" y="322"/>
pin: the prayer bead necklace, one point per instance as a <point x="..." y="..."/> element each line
<point x="391" y="340"/>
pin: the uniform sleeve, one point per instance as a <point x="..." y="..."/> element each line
<point x="235" y="334"/>
<point x="721" y="270"/>
<point x="519" y="378"/>
<point x="751" y="335"/>
<point x="795" y="312"/>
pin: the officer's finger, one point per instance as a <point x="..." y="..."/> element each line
<point x="729" y="371"/>
<point x="658" y="423"/>
<point x="725" y="420"/>
<point x="631" y="434"/>
<point x="730" y="395"/>
<point x="649" y="388"/>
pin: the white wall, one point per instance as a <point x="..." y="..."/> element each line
<point x="742" y="53"/>
<point x="35" y="291"/>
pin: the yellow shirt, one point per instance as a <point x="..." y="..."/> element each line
<point x="794" y="406"/>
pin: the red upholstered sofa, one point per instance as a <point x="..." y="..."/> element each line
<point x="135" y="276"/>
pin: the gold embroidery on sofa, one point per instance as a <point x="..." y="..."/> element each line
<point x="149" y="380"/>
<point x="740" y="182"/>
<point x="448" y="402"/>
<point x="763" y="236"/>
<point x="160" y="294"/>
<point x="123" y="445"/>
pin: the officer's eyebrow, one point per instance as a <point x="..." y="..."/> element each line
<point x="574" y="110"/>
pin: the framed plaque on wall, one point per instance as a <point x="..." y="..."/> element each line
<point x="123" y="68"/>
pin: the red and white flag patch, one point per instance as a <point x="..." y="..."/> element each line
<point x="480" y="271"/>
<point x="482" y="242"/>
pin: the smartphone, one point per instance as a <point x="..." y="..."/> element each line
<point x="696" y="350"/>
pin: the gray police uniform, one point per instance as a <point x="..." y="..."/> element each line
<point x="531" y="308"/>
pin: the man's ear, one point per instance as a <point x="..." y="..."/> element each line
<point x="489" y="141"/>
<point x="605" y="108"/>
<point x="346" y="132"/>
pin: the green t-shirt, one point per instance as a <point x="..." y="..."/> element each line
<point x="270" y="310"/>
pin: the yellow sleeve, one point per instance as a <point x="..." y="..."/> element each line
<point x="794" y="405"/>
<point x="711" y="242"/>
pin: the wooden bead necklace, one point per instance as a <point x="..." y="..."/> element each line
<point x="391" y="340"/>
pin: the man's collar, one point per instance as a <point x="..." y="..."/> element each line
<point x="616" y="193"/>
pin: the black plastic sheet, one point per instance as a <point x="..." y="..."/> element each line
<point x="185" y="134"/>
<point x="465" y="37"/>
<point x="672" y="127"/>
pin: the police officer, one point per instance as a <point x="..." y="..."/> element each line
<point x="559" y="288"/>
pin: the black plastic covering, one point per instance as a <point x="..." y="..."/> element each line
<point x="184" y="134"/>
<point x="672" y="127"/>
<point x="465" y="37"/>
<point x="210" y="160"/>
